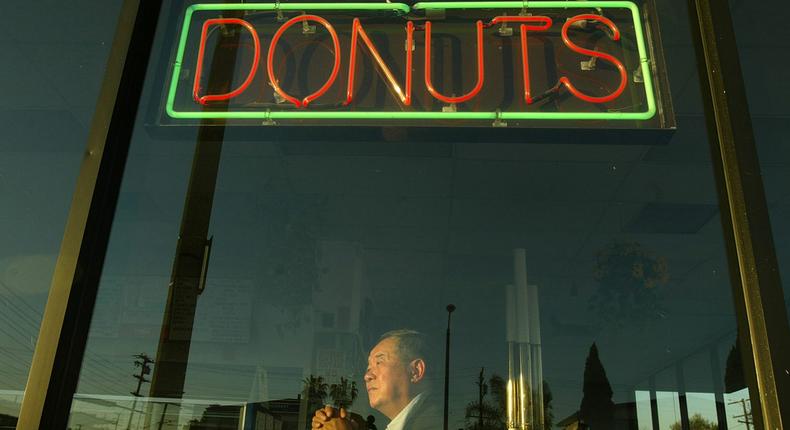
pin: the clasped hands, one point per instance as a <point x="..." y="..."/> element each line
<point x="329" y="418"/>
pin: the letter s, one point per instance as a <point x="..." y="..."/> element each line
<point x="604" y="56"/>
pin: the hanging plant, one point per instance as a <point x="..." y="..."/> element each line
<point x="628" y="278"/>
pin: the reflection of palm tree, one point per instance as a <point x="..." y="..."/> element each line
<point x="344" y="393"/>
<point x="493" y="419"/>
<point x="495" y="411"/>
<point x="498" y="390"/>
<point x="315" y="390"/>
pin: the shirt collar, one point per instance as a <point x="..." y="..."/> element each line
<point x="400" y="419"/>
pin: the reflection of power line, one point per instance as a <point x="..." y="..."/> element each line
<point x="24" y="313"/>
<point x="96" y="384"/>
<point x="10" y="375"/>
<point x="747" y="413"/>
<point x="13" y="364"/>
<point x="18" y="337"/>
<point x="22" y="329"/>
<point x="14" y="359"/>
<point x="12" y="337"/>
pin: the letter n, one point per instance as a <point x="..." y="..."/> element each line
<point x="357" y="33"/>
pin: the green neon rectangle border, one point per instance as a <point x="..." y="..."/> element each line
<point x="401" y="8"/>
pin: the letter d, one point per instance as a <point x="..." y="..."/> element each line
<point x="202" y="52"/>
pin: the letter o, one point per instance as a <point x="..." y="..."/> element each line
<point x="270" y="60"/>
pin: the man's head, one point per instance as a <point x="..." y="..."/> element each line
<point x="396" y="370"/>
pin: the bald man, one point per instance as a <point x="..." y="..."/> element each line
<point x="396" y="384"/>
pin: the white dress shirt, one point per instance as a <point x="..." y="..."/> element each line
<point x="400" y="419"/>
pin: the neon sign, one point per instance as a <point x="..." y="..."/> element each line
<point x="491" y="61"/>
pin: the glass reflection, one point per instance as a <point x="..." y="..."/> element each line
<point x="589" y="281"/>
<point x="50" y="81"/>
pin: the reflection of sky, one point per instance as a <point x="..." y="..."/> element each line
<point x="432" y="229"/>
<point x="643" y="410"/>
<point x="668" y="409"/>
<point x="53" y="61"/>
<point x="702" y="404"/>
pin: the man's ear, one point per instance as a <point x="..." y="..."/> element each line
<point x="416" y="370"/>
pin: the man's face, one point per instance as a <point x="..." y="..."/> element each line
<point x="387" y="379"/>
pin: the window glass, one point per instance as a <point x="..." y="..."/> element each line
<point x="53" y="59"/>
<point x="668" y="403"/>
<point x="588" y="280"/>
<point x="759" y="38"/>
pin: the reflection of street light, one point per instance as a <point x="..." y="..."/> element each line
<point x="450" y="309"/>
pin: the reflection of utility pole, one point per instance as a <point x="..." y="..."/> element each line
<point x="143" y="360"/>
<point x="190" y="263"/>
<point x="481" y="391"/>
<point x="747" y="414"/>
<point x="450" y="309"/>
<point x="162" y="418"/>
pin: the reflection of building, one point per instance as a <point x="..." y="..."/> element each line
<point x="525" y="367"/>
<point x="340" y="328"/>
<point x="218" y="417"/>
<point x="339" y="305"/>
<point x="624" y="419"/>
<point x="274" y="415"/>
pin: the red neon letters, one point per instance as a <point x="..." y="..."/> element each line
<point x="545" y="25"/>
<point x="199" y="69"/>
<point x="270" y="60"/>
<point x="623" y="76"/>
<point x="356" y="31"/>
<point x="480" y="68"/>
<point x="404" y="95"/>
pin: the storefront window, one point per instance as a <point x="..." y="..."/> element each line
<point x="588" y="280"/>
<point x="763" y="73"/>
<point x="51" y="69"/>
